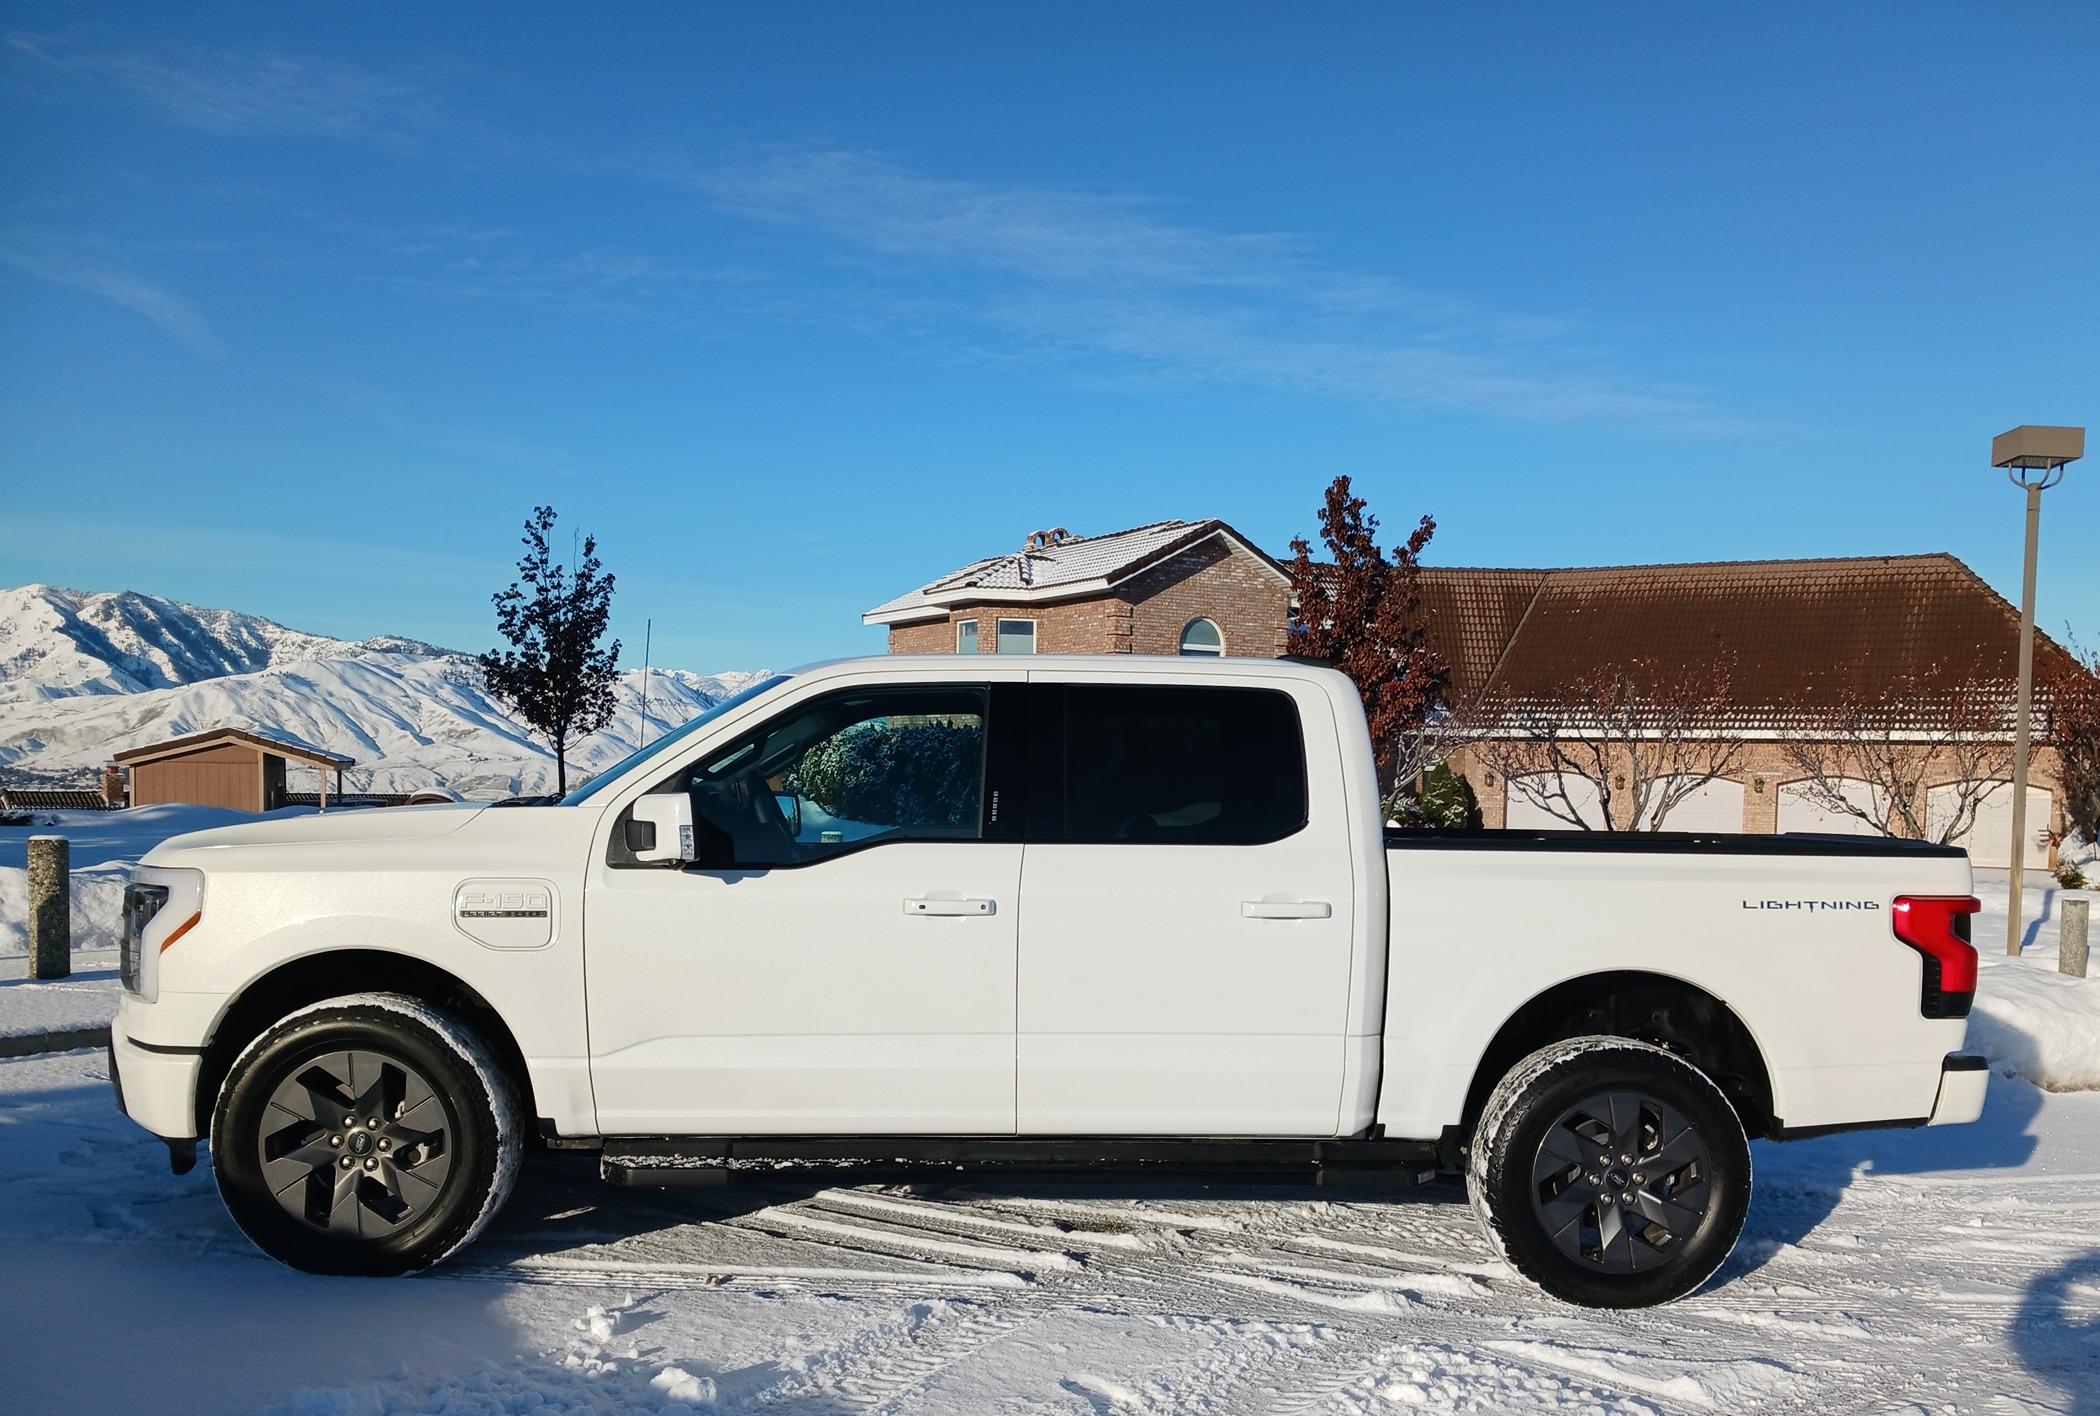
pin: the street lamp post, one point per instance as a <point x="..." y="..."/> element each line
<point x="2034" y="458"/>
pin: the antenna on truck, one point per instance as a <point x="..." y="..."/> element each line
<point x="647" y="626"/>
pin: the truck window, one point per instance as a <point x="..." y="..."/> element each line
<point x="846" y="771"/>
<point x="1181" y="765"/>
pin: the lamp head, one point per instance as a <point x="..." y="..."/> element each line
<point x="2034" y="446"/>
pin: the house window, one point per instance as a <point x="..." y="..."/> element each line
<point x="1017" y="636"/>
<point x="966" y="636"/>
<point x="1201" y="636"/>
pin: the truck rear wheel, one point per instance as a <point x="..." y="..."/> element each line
<point x="1611" y="1173"/>
<point x="371" y="1134"/>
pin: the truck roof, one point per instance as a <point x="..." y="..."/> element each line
<point x="1145" y="665"/>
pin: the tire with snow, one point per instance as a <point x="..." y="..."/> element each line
<point x="1610" y="1173"/>
<point x="371" y="1134"/>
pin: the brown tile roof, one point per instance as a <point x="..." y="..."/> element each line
<point x="1797" y="634"/>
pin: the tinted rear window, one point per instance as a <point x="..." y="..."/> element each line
<point x="1186" y="766"/>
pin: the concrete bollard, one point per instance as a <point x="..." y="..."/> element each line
<point x="2071" y="950"/>
<point x="50" y="907"/>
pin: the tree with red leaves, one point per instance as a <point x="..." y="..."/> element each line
<point x="1364" y="614"/>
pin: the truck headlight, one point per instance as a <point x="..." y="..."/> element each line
<point x="160" y="906"/>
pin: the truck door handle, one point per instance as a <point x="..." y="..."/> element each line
<point x="931" y="905"/>
<point x="1286" y="909"/>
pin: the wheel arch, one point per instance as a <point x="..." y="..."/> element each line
<point x="314" y="978"/>
<point x="1670" y="1012"/>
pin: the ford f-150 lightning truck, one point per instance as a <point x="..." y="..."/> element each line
<point x="1032" y="913"/>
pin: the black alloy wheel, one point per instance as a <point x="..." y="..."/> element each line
<point x="371" y="1134"/>
<point x="1610" y="1172"/>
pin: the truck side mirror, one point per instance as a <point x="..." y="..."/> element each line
<point x="660" y="828"/>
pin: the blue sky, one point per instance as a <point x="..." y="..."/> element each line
<point x="796" y="306"/>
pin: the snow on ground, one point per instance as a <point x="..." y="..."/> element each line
<point x="1955" y="1269"/>
<point x="87" y="998"/>
<point x="1948" y="1269"/>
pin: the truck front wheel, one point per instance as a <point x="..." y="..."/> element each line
<point x="1610" y="1173"/>
<point x="371" y="1134"/>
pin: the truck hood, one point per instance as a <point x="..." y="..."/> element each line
<point x="398" y="823"/>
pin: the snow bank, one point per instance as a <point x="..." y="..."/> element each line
<point x="98" y="908"/>
<point x="104" y="847"/>
<point x="2033" y="1022"/>
<point x="2030" y="1020"/>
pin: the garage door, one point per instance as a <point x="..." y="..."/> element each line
<point x="1522" y="814"/>
<point x="1712" y="806"/>
<point x="1799" y="811"/>
<point x="1989" y="840"/>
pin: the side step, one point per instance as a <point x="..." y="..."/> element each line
<point x="682" y="1161"/>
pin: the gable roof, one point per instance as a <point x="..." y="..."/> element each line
<point x="1797" y="634"/>
<point x="1053" y="565"/>
<point x="277" y="746"/>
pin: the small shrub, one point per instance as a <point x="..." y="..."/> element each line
<point x="2070" y="877"/>
<point x="1446" y="803"/>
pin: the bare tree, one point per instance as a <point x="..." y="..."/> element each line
<point x="2074" y="731"/>
<point x="1641" y="736"/>
<point x="1930" y="749"/>
<point x="1419" y="748"/>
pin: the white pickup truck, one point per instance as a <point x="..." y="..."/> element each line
<point x="1036" y="914"/>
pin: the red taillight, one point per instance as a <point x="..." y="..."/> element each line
<point x="1937" y="926"/>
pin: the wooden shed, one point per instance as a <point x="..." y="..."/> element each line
<point x="231" y="767"/>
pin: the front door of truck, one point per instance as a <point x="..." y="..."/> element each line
<point x="841" y="955"/>
<point x="1185" y="949"/>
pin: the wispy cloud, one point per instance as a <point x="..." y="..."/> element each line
<point x="1110" y="284"/>
<point x="248" y="91"/>
<point x="1112" y="278"/>
<point x="95" y="276"/>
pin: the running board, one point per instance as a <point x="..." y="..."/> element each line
<point x="678" y="1161"/>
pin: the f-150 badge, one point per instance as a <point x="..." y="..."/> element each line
<point x="505" y="914"/>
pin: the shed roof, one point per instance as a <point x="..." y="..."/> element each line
<point x="276" y="746"/>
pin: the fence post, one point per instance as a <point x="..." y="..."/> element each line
<point x="50" y="908"/>
<point x="2071" y="950"/>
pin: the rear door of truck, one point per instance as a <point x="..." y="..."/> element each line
<point x="1186" y="911"/>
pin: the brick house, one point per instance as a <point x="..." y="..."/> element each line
<point x="1172" y="587"/>
<point x="1797" y="632"/>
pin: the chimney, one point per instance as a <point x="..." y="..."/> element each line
<point x="113" y="788"/>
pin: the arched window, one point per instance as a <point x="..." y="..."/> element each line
<point x="1201" y="636"/>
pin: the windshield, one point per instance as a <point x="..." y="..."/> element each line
<point x="672" y="738"/>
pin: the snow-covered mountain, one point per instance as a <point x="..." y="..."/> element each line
<point x="86" y="675"/>
<point x="55" y="643"/>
